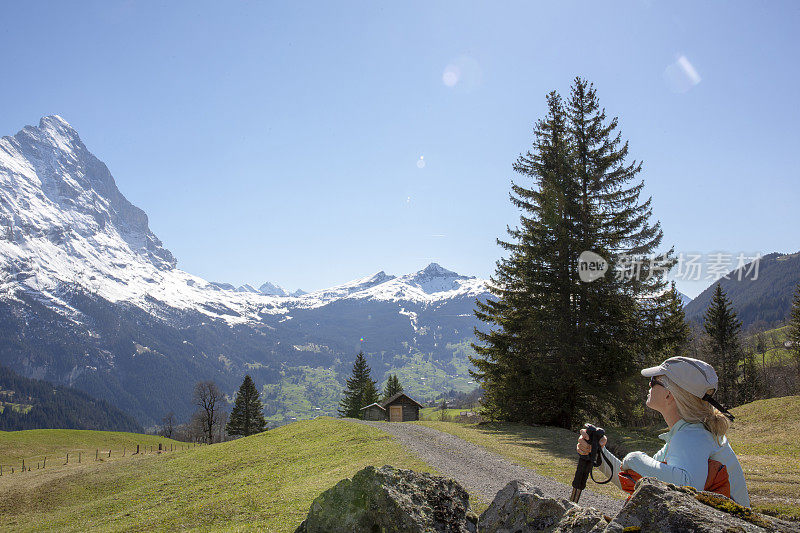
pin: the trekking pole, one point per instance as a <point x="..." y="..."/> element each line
<point x="586" y="462"/>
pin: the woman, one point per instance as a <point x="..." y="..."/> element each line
<point x="681" y="389"/>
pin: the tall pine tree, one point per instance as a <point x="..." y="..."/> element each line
<point x="393" y="386"/>
<point x="558" y="348"/>
<point x="520" y="351"/>
<point x="361" y="390"/>
<point x="247" y="417"/>
<point x="723" y="347"/>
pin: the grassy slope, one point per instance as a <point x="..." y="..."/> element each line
<point x="434" y="413"/>
<point x="776" y="353"/>
<point x="265" y="482"/>
<point x="34" y="444"/>
<point x="764" y="436"/>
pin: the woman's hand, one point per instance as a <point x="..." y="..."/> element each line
<point x="584" y="448"/>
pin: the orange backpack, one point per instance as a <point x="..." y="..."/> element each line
<point x="717" y="480"/>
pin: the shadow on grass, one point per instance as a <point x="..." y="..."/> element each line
<point x="561" y="442"/>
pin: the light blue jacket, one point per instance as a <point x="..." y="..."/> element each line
<point x="687" y="451"/>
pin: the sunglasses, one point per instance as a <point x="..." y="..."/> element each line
<point x="654" y="382"/>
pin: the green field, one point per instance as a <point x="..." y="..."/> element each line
<point x="776" y="353"/>
<point x="35" y="444"/>
<point x="261" y="483"/>
<point x="434" y="413"/>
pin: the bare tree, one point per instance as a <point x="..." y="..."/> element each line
<point x="168" y="425"/>
<point x="195" y="432"/>
<point x="208" y="398"/>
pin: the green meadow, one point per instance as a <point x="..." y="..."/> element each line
<point x="265" y="482"/>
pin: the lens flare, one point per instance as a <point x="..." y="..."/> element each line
<point x="681" y="75"/>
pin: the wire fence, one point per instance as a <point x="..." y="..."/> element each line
<point x="84" y="456"/>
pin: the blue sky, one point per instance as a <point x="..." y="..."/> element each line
<point x="284" y="142"/>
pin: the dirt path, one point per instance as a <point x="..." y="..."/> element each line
<point x="477" y="469"/>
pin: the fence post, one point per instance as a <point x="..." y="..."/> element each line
<point x="79" y="456"/>
<point x="96" y="454"/>
<point x="67" y="461"/>
<point x="109" y="453"/>
<point x="137" y="449"/>
<point x="23" y="465"/>
<point x="123" y="451"/>
<point x="159" y="447"/>
<point x="44" y="464"/>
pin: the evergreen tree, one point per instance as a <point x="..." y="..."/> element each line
<point x="361" y="390"/>
<point x="247" y="417"/>
<point x="751" y="386"/>
<point x="558" y="347"/>
<point x="723" y="348"/>
<point x="794" y="326"/>
<point x="393" y="386"/>
<point x="672" y="330"/>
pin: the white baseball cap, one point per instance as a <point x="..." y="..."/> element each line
<point x="692" y="375"/>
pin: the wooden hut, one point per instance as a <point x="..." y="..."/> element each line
<point x="374" y="411"/>
<point x="401" y="408"/>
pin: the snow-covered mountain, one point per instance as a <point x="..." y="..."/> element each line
<point x="67" y="224"/>
<point x="88" y="294"/>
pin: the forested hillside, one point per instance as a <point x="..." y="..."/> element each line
<point x="34" y="404"/>
<point x="764" y="301"/>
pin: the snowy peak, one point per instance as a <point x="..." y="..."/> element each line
<point x="270" y="289"/>
<point x="434" y="279"/>
<point x="248" y="288"/>
<point x="55" y="131"/>
<point x="431" y="284"/>
<point x="52" y="187"/>
<point x="434" y="270"/>
<point x="350" y="288"/>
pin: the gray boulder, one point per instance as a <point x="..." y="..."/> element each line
<point x="654" y="506"/>
<point x="390" y="499"/>
<point x="521" y="507"/>
<point x="659" y="506"/>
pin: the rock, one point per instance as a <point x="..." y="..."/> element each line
<point x="659" y="506"/>
<point x="654" y="506"/>
<point x="392" y="500"/>
<point x="389" y="499"/>
<point x="522" y="508"/>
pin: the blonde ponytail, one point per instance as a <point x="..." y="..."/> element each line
<point x="696" y="411"/>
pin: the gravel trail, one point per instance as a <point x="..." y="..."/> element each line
<point x="476" y="468"/>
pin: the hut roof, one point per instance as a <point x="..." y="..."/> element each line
<point x="375" y="404"/>
<point x="393" y="398"/>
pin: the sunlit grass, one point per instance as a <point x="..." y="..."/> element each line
<point x="35" y="444"/>
<point x="261" y="483"/>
